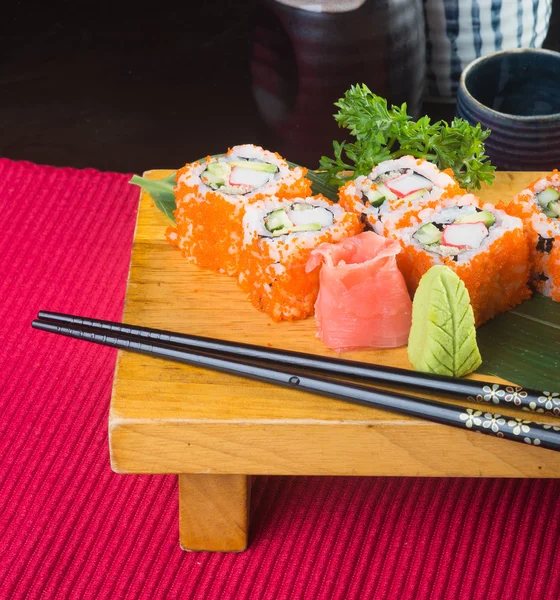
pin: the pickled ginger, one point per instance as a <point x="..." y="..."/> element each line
<point x="363" y="301"/>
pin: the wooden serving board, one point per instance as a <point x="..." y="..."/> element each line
<point x="171" y="418"/>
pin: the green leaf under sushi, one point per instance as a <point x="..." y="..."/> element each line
<point x="443" y="336"/>
<point x="161" y="191"/>
<point x="523" y="345"/>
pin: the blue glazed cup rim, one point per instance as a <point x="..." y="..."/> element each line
<point x="482" y="59"/>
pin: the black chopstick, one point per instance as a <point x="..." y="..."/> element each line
<point x="511" y="396"/>
<point x="503" y="426"/>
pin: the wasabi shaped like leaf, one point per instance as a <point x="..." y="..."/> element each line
<point x="443" y="336"/>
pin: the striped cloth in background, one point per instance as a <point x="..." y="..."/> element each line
<point x="458" y="31"/>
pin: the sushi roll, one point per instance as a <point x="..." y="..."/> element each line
<point x="538" y="207"/>
<point x="395" y="191"/>
<point x="211" y="198"/>
<point x="278" y="238"/>
<point x="482" y="244"/>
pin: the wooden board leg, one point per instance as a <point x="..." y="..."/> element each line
<point x="213" y="512"/>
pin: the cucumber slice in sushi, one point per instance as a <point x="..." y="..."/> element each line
<point x="554" y="207"/>
<point x="552" y="211"/>
<point x="277" y="220"/>
<point x="383" y="189"/>
<point x="481" y="216"/>
<point x="216" y="174"/>
<point x="374" y="197"/>
<point x="416" y="195"/>
<point x="428" y="234"/>
<point x="547" y="196"/>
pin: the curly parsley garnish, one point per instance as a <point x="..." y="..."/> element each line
<point x="384" y="133"/>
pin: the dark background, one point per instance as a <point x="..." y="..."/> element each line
<point x="132" y="89"/>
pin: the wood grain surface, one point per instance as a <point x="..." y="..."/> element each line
<point x="171" y="418"/>
<point x="214" y="512"/>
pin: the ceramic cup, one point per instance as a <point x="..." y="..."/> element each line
<point x="516" y="94"/>
<point x="306" y="55"/>
<point x="459" y="31"/>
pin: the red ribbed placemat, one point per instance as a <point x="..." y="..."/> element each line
<point x="70" y="528"/>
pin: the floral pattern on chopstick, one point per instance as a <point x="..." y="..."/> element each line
<point x="496" y="394"/>
<point x="515" y="394"/>
<point x="501" y="426"/>
<point x="493" y="422"/>
<point x="540" y="402"/>
<point x="489" y="393"/>
<point x="471" y="417"/>
<point x="519" y="426"/>
<point x="550" y="401"/>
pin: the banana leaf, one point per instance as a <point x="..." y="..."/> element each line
<point x="523" y="345"/>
